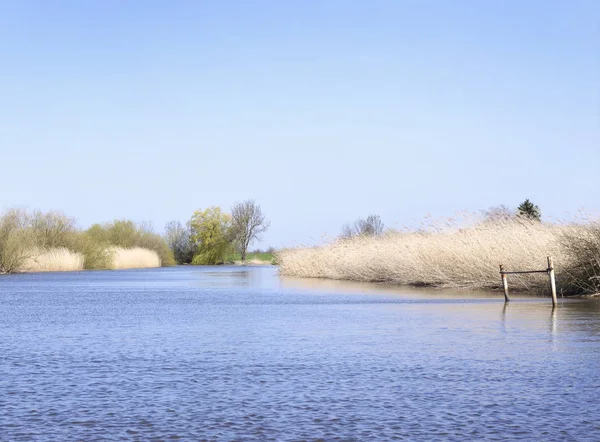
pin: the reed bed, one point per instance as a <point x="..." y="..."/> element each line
<point x="134" y="258"/>
<point x="450" y="257"/>
<point x="53" y="260"/>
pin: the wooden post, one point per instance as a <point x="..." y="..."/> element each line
<point x="504" y="283"/>
<point x="552" y="280"/>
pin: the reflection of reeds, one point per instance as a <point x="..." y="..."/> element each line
<point x="53" y="260"/>
<point x="134" y="258"/>
<point x="446" y="257"/>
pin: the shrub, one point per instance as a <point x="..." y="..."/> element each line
<point x="127" y="235"/>
<point x="96" y="255"/>
<point x="52" y="229"/>
<point x="16" y="240"/>
<point x="179" y="239"/>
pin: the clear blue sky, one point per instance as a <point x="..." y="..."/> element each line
<point x="323" y="111"/>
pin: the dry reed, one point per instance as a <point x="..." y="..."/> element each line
<point x="53" y="260"/>
<point x="450" y="257"/>
<point x="134" y="258"/>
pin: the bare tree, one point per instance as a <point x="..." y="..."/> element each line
<point x="499" y="213"/>
<point x="371" y="226"/>
<point x="52" y="229"/>
<point x="247" y="224"/>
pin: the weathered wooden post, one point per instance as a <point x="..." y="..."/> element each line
<point x="504" y="284"/>
<point x="552" y="280"/>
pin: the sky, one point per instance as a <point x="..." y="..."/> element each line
<point x="321" y="111"/>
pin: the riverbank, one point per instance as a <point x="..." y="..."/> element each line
<point x="459" y="257"/>
<point x="254" y="258"/>
<point x="63" y="260"/>
<point x="51" y="242"/>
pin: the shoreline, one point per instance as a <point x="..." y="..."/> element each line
<point x="255" y="263"/>
<point x="457" y="257"/>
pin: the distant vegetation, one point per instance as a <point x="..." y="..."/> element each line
<point x="370" y="226"/>
<point x="51" y="241"/>
<point x="126" y="234"/>
<point x="254" y="257"/>
<point x="212" y="236"/>
<point x="529" y="210"/>
<point x="459" y="255"/>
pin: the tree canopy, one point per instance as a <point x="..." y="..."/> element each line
<point x="247" y="223"/>
<point x="211" y="235"/>
<point x="530" y="211"/>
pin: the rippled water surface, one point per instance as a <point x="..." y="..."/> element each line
<point x="233" y="353"/>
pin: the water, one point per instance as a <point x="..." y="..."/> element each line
<point x="233" y="353"/>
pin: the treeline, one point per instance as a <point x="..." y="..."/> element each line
<point x="26" y="237"/>
<point x="212" y="236"/>
<point x="45" y="241"/>
<point x="373" y="226"/>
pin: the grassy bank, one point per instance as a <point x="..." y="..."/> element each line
<point x="456" y="257"/>
<point x="254" y="258"/>
<point x="51" y="241"/>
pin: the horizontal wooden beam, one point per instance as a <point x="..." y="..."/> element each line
<point x="525" y="271"/>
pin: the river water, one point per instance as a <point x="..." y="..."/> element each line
<point x="237" y="353"/>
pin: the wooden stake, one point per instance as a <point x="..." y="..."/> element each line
<point x="504" y="284"/>
<point x="552" y="280"/>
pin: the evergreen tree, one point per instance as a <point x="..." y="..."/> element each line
<point x="530" y="211"/>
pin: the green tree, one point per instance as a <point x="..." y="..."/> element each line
<point x="530" y="211"/>
<point x="211" y="234"/>
<point x="16" y="240"/>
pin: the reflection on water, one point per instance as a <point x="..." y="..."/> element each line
<point x="237" y="353"/>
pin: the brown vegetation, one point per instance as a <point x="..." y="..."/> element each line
<point x="456" y="257"/>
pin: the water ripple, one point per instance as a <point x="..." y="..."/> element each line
<point x="117" y="358"/>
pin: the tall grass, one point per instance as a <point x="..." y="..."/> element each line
<point x="134" y="258"/>
<point x="128" y="235"/>
<point x="451" y="257"/>
<point x="51" y="241"/>
<point x="581" y="245"/>
<point x="52" y="260"/>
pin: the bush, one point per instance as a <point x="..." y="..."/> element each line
<point x="39" y="241"/>
<point x="17" y="240"/>
<point x="97" y="256"/>
<point x="179" y="239"/>
<point x="52" y="229"/>
<point x="127" y="235"/>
